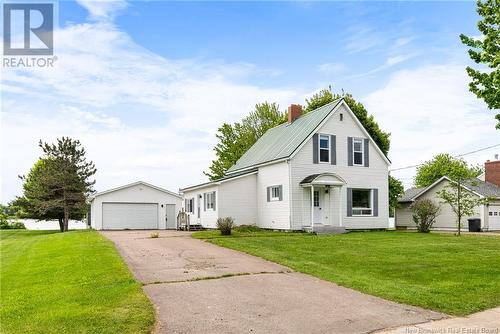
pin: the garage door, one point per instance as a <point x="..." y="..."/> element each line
<point x="494" y="217"/>
<point x="134" y="216"/>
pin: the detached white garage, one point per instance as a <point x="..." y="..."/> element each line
<point x="135" y="206"/>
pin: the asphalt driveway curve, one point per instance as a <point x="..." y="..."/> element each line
<point x="198" y="287"/>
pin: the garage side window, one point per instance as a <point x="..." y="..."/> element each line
<point x="189" y="205"/>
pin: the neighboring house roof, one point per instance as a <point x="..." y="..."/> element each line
<point x="409" y="194"/>
<point x="135" y="184"/>
<point x="483" y="188"/>
<point x="475" y="185"/>
<point x="281" y="141"/>
<point x="219" y="181"/>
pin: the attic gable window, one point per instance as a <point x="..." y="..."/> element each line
<point x="324" y="148"/>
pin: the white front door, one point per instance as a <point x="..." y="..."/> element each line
<point x="318" y="198"/>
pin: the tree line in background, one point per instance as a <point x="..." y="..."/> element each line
<point x="58" y="185"/>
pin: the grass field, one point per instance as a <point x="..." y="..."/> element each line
<point x="442" y="272"/>
<point x="72" y="282"/>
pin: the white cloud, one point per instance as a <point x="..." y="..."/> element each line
<point x="332" y="68"/>
<point x="362" y="38"/>
<point x="429" y="110"/>
<point x="139" y="115"/>
<point x="389" y="62"/>
<point x="402" y="41"/>
<point x="103" y="9"/>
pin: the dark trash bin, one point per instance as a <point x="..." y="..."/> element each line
<point x="474" y="225"/>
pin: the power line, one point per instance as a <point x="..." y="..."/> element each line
<point x="456" y="156"/>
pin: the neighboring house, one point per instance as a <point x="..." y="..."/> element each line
<point x="489" y="213"/>
<point x="138" y="205"/>
<point x="321" y="167"/>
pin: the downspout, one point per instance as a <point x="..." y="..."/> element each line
<point x="312" y="207"/>
<point x="290" y="195"/>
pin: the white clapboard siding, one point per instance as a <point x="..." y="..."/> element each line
<point x="238" y="199"/>
<point x="373" y="177"/>
<point x="276" y="214"/>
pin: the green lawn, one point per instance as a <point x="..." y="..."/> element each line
<point x="72" y="282"/>
<point x="454" y="275"/>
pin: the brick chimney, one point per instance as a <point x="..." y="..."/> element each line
<point x="294" y="111"/>
<point x="492" y="172"/>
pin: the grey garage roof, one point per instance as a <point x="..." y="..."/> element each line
<point x="478" y="186"/>
<point x="135" y="184"/>
<point x="280" y="142"/>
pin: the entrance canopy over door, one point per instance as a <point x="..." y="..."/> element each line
<point x="321" y="181"/>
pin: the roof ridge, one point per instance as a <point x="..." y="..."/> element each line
<point x="302" y="116"/>
<point x="272" y="145"/>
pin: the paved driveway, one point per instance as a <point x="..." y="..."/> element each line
<point x="198" y="287"/>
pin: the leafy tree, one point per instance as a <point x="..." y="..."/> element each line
<point x="396" y="189"/>
<point x="486" y="50"/>
<point x="444" y="165"/>
<point x="380" y="137"/>
<point x="58" y="185"/>
<point x="236" y="139"/>
<point x="424" y="213"/>
<point x="462" y="202"/>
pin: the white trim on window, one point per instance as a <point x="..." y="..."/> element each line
<point x="327" y="138"/>
<point x="210" y="200"/>
<point x="354" y="151"/>
<point x="189" y="205"/>
<point x="363" y="211"/>
<point x="274" y="193"/>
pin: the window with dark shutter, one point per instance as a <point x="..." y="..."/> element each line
<point x="324" y="148"/>
<point x="357" y="149"/>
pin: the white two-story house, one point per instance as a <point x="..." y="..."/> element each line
<point x="318" y="169"/>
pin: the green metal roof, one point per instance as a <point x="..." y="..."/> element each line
<point x="281" y="141"/>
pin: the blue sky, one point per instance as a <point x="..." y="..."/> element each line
<point x="144" y="85"/>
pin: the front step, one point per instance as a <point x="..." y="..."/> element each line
<point x="326" y="229"/>
<point x="192" y="227"/>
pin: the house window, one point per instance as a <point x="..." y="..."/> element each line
<point x="491" y="213"/>
<point x="324" y="148"/>
<point x="357" y="151"/>
<point x="275" y="193"/>
<point x="210" y="201"/>
<point x="189" y="205"/>
<point x="341" y="117"/>
<point x="316" y="198"/>
<point x="362" y="202"/>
